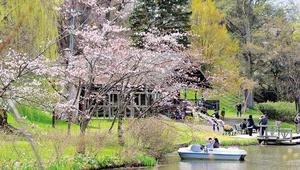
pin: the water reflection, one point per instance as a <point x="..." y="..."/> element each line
<point x="259" y="157"/>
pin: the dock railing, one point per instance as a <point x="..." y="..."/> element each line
<point x="270" y="133"/>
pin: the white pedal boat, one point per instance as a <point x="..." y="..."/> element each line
<point x="195" y="152"/>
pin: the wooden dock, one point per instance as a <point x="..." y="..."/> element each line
<point x="274" y="135"/>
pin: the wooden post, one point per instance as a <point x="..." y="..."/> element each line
<point x="131" y="112"/>
<point x="109" y="112"/>
<point x="99" y="127"/>
<point x="97" y="112"/>
<point x="184" y="93"/>
<point x="118" y="99"/>
<point x="104" y="112"/>
<point x="104" y="108"/>
<point x="109" y="107"/>
<point x="279" y="132"/>
<point x="53" y="119"/>
<point x="291" y="137"/>
<point x="196" y="101"/>
<point x="140" y="102"/>
<point x="146" y="100"/>
<point x="260" y="131"/>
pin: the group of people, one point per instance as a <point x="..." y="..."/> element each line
<point x="263" y="120"/>
<point x="216" y="116"/>
<point x="178" y="113"/>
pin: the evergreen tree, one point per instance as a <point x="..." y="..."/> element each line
<point x="166" y="15"/>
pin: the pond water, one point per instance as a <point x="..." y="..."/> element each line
<point x="259" y="157"/>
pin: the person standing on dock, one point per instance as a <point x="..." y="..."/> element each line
<point x="297" y="123"/>
<point x="250" y="125"/>
<point x="264" y="121"/>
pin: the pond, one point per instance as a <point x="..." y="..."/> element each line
<point x="259" y="157"/>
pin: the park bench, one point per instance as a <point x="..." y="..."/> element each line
<point x="228" y="131"/>
<point x="239" y="129"/>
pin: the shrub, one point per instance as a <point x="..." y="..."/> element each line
<point x="282" y="111"/>
<point x="146" y="160"/>
<point x="150" y="135"/>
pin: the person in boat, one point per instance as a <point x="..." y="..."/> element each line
<point x="202" y="146"/>
<point x="210" y="143"/>
<point x="216" y="144"/>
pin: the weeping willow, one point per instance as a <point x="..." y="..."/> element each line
<point x="38" y="29"/>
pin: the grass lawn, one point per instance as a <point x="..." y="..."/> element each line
<point x="50" y="143"/>
<point x="228" y="102"/>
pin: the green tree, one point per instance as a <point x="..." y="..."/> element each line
<point x="29" y="25"/>
<point x="166" y="15"/>
<point x="220" y="49"/>
<point x="217" y="46"/>
<point x="243" y="18"/>
<point x="280" y="41"/>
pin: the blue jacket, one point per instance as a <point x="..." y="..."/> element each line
<point x="210" y="145"/>
<point x="223" y="113"/>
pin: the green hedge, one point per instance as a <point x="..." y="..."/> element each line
<point x="281" y="111"/>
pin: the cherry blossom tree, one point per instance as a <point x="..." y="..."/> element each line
<point x="106" y="61"/>
<point x="22" y="81"/>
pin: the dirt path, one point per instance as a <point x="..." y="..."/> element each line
<point x="231" y="120"/>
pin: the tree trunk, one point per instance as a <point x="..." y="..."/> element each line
<point x="107" y="16"/>
<point x="249" y="71"/>
<point x="69" y="123"/>
<point x="3" y="118"/>
<point x="249" y="99"/>
<point x="120" y="131"/>
<point x="53" y="119"/>
<point x="297" y="104"/>
<point x="81" y="145"/>
<point x="83" y="125"/>
<point x="112" y="125"/>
